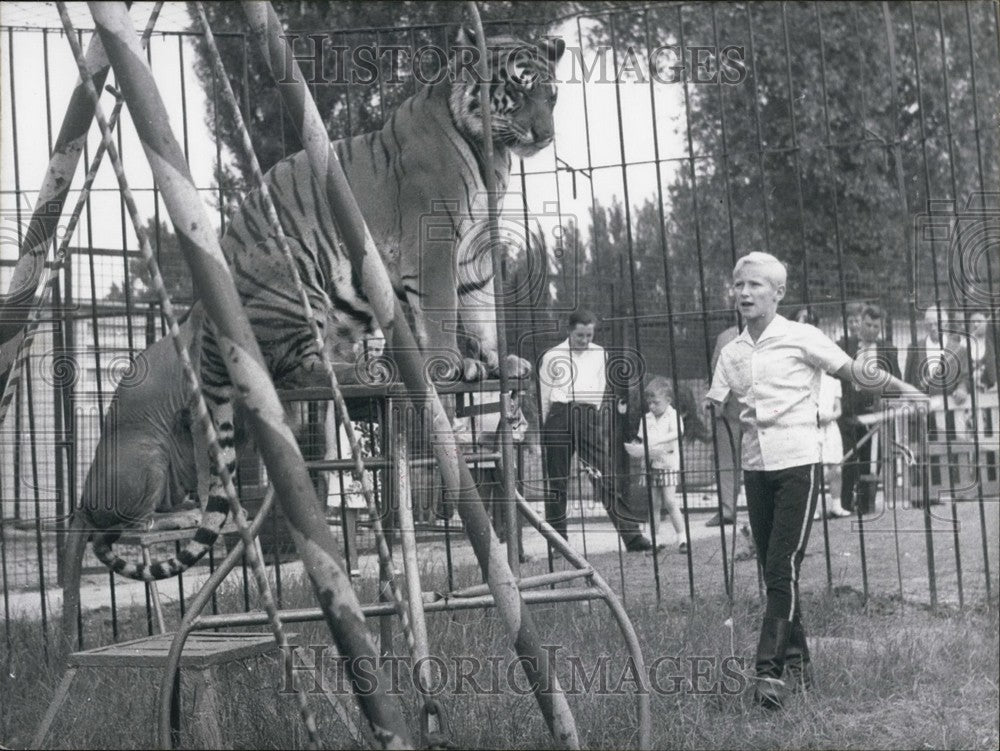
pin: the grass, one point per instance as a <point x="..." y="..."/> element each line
<point x="889" y="675"/>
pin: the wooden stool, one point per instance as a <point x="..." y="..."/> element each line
<point x="202" y="652"/>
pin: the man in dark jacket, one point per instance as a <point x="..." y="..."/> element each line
<point x="868" y="347"/>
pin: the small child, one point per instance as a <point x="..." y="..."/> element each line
<point x="832" y="447"/>
<point x="664" y="457"/>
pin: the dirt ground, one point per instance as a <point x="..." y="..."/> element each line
<point x="888" y="553"/>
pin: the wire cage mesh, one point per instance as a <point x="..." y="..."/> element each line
<point x="688" y="134"/>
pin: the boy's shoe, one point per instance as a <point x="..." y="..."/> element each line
<point x="683" y="547"/>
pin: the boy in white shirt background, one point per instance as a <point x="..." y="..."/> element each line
<point x="661" y="437"/>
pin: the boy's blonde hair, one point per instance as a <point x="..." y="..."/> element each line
<point x="659" y="386"/>
<point x="774" y="269"/>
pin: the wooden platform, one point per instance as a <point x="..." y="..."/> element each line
<point x="202" y="652"/>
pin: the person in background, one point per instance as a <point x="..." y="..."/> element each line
<point x="575" y="412"/>
<point x="831" y="447"/>
<point x="661" y="438"/>
<point x="872" y="351"/>
<point x="938" y="364"/>
<point x="982" y="352"/>
<point x="853" y="311"/>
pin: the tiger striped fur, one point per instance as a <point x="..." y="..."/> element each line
<point x="427" y="158"/>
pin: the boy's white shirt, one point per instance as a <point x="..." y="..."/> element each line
<point x="776" y="380"/>
<point x="664" y="437"/>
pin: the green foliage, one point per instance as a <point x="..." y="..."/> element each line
<point x="347" y="108"/>
<point x="174" y="270"/>
<point x="799" y="159"/>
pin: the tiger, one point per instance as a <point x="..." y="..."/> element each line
<point x="428" y="158"/>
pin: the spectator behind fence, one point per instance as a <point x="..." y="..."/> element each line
<point x="852" y="315"/>
<point x="982" y="351"/>
<point x="773" y="369"/>
<point x="661" y="438"/>
<point x="870" y="350"/>
<point x="831" y="446"/>
<point x="938" y="365"/>
<point x="576" y="417"/>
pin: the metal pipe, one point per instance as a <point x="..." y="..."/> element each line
<point x="128" y="202"/>
<point x="39" y="549"/>
<point x="633" y="298"/>
<point x="384" y="554"/>
<point x="661" y="226"/>
<point x="616" y="607"/>
<point x="958" y="229"/>
<point x="528" y="582"/>
<point x="50" y="266"/>
<point x="166" y="700"/>
<point x="988" y="256"/>
<point x="55" y="187"/>
<point x="897" y="152"/>
<point x="757" y="123"/>
<point x="401" y="345"/>
<point x="383" y="609"/>
<point x="934" y="271"/>
<point x="701" y="276"/>
<point x="838" y="245"/>
<point x="243" y="359"/>
<point x="496" y="256"/>
<point x="345" y="465"/>
<point x="596" y="247"/>
<point x="419" y="649"/>
<point x="795" y="154"/>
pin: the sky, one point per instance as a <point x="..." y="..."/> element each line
<point x="588" y="133"/>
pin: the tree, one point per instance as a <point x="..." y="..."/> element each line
<point x="351" y="99"/>
<point x="810" y="135"/>
<point x="174" y="270"/>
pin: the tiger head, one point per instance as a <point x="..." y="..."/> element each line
<point x="522" y="92"/>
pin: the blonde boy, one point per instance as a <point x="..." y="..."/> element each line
<point x="664" y="431"/>
<point x="773" y="369"/>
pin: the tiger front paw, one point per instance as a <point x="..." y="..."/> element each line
<point x="515" y="367"/>
<point x="474" y="370"/>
